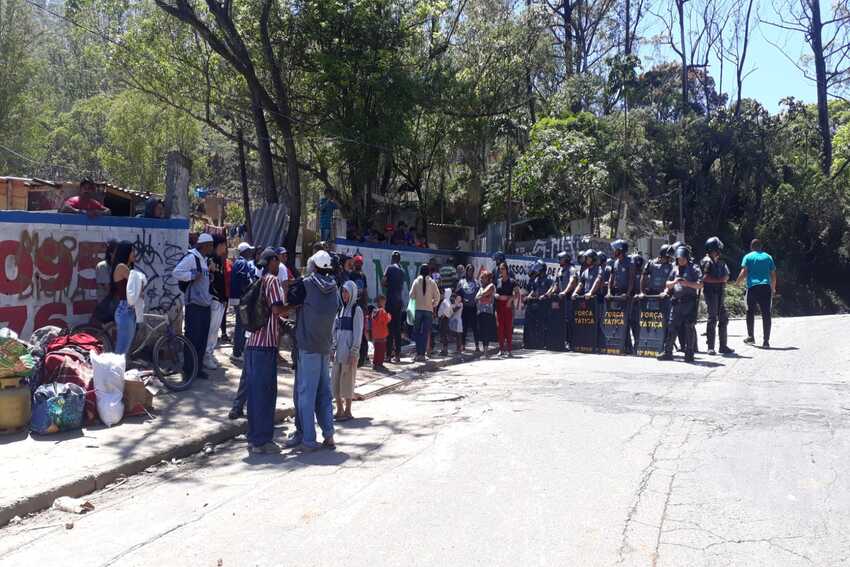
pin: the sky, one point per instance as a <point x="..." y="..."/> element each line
<point x="772" y="75"/>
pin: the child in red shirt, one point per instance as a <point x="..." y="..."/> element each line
<point x="380" y="331"/>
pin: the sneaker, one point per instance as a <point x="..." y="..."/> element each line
<point x="750" y="340"/>
<point x="665" y="356"/>
<point x="689" y="358"/>
<point x="726" y="350"/>
<point x="210" y="362"/>
<point x="311" y="448"/>
<point x="292" y="442"/>
<point x="712" y="352"/>
<point x="328" y="443"/>
<point x="271" y="448"/>
<point x="765" y="344"/>
<point x="235" y="413"/>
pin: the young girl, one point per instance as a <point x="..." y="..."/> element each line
<point x="125" y="315"/>
<point x="486" y="317"/>
<point x="348" y="332"/>
<point x="445" y="312"/>
<point x="456" y="322"/>
<point x="380" y="331"/>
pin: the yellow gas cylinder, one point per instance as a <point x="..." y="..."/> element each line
<point x="15" y="408"/>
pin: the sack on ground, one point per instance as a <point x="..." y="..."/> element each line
<point x="57" y="407"/>
<point x="254" y="311"/>
<point x="109" y="386"/>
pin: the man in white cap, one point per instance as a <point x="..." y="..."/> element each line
<point x="193" y="273"/>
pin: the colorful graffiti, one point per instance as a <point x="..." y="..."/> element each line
<point x="47" y="268"/>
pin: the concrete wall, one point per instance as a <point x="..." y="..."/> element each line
<point x="47" y="263"/>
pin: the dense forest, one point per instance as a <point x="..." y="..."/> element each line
<point x="448" y="103"/>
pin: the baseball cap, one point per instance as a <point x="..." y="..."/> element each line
<point x="204" y="238"/>
<point x="358" y="258"/>
<point x="280" y="250"/>
<point x="268" y="254"/>
<point x="244" y="246"/>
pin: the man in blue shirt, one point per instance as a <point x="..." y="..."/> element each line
<point x="327" y="206"/>
<point x="759" y="271"/>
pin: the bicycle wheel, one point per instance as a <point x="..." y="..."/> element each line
<point x="169" y="356"/>
<point x="99" y="333"/>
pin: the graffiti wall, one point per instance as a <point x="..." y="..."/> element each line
<point x="551" y="247"/>
<point x="48" y="260"/>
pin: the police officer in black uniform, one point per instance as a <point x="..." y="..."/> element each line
<point x="591" y="282"/>
<point x="555" y="324"/>
<point x="633" y="322"/>
<point x="536" y="309"/>
<point x="656" y="272"/>
<point x="715" y="274"/>
<point x="621" y="280"/>
<point x="568" y="276"/>
<point x="684" y="284"/>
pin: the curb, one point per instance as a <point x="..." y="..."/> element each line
<point x="97" y="480"/>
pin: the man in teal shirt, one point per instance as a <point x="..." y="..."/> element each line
<point x="759" y="271"/>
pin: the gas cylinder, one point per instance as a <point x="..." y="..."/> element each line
<point x="15" y="408"/>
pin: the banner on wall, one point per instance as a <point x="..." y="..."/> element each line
<point x="48" y="260"/>
<point x="377" y="257"/>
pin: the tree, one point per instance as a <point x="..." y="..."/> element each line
<point x="829" y="42"/>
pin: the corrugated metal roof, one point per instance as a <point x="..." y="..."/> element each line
<point x="268" y="225"/>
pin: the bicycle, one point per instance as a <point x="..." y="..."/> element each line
<point x="155" y="335"/>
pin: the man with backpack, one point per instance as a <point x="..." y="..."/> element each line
<point x="260" y="311"/>
<point x="318" y="301"/>
<point x="193" y="276"/>
<point x="241" y="276"/>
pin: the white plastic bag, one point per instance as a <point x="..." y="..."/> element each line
<point x="109" y="386"/>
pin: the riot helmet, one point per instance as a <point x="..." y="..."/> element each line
<point x="713" y="244"/>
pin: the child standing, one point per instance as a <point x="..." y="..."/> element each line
<point x="380" y="331"/>
<point x="444" y="313"/>
<point x="348" y="332"/>
<point x="456" y="322"/>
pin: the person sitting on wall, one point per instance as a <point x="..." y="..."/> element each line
<point x="85" y="203"/>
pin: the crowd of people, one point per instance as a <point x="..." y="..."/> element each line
<point x="330" y="322"/>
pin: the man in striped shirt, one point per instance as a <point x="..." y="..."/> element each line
<point x="261" y="361"/>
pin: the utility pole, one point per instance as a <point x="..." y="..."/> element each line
<point x="508" y="235"/>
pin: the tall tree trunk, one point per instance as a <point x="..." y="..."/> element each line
<point x="680" y="7"/>
<point x="627" y="43"/>
<point x="243" y="176"/>
<point x="815" y="34"/>
<point x="568" y="37"/>
<point x="264" y="150"/>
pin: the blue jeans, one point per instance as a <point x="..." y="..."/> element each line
<point x="196" y="327"/>
<point x="261" y="372"/>
<point x="238" y="336"/>
<point x="325" y="233"/>
<point x="313" y="396"/>
<point x="125" y="327"/>
<point x="421" y="329"/>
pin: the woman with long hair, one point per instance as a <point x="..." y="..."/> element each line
<point x="125" y="315"/>
<point x="505" y="292"/>
<point x="468" y="288"/>
<point x="426" y="294"/>
<point x="486" y="317"/>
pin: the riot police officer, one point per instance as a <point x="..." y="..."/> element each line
<point x="715" y="275"/>
<point x="568" y="279"/>
<point x="621" y="280"/>
<point x="656" y="272"/>
<point x="536" y="310"/>
<point x="684" y="284"/>
<point x="556" y="322"/>
<point x="633" y="322"/>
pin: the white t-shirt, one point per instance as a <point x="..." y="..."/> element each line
<point x="282" y="273"/>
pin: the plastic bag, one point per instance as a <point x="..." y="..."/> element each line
<point x="15" y="359"/>
<point x="109" y="386"/>
<point x="57" y="407"/>
<point x="411" y="312"/>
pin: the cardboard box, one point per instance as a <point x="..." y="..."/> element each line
<point x="138" y="399"/>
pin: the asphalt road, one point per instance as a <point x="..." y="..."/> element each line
<point x="546" y="459"/>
